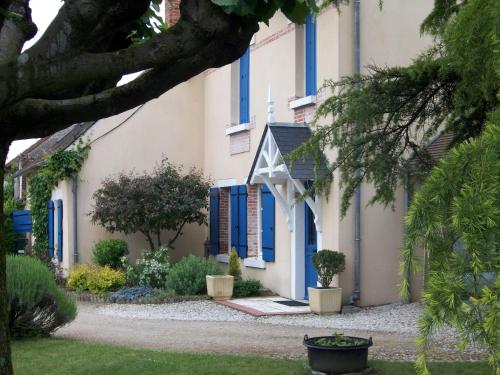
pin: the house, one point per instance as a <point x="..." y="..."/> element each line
<point x="225" y="122"/>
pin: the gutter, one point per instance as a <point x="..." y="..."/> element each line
<point x="356" y="294"/>
<point x="74" y="190"/>
<point x="23" y="171"/>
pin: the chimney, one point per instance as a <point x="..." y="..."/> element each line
<point x="172" y="12"/>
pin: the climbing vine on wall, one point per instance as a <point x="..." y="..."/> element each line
<point x="58" y="166"/>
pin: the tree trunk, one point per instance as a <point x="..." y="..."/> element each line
<point x="158" y="238"/>
<point x="5" y="357"/>
<point x="150" y="240"/>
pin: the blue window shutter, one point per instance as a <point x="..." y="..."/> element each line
<point x="245" y="88"/>
<point x="310" y="55"/>
<point x="214" y="221"/>
<point x="234" y="217"/>
<point x="59" y="229"/>
<point x="267" y="223"/>
<point x="22" y="221"/>
<point x="51" y="228"/>
<point x="242" y="206"/>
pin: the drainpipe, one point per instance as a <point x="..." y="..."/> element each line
<point x="356" y="294"/>
<point x="74" y="189"/>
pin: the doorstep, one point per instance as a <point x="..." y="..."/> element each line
<point x="265" y="306"/>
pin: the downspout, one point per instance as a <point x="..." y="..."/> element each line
<point x="74" y="189"/>
<point x="356" y="294"/>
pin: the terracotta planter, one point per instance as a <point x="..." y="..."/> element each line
<point x="220" y="287"/>
<point x="325" y="300"/>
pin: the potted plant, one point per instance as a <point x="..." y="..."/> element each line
<point x="337" y="354"/>
<point x="326" y="299"/>
<point x="220" y="287"/>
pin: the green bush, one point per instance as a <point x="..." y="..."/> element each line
<point x="150" y="269"/>
<point x="36" y="306"/>
<point x="246" y="288"/>
<point x="187" y="277"/>
<point x="328" y="263"/>
<point x="95" y="279"/>
<point x="234" y="264"/>
<point x="109" y="253"/>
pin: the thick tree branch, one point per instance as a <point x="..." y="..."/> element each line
<point x="201" y="22"/>
<point x="39" y="117"/>
<point x="84" y="25"/>
<point x="16" y="30"/>
<point x="4" y="5"/>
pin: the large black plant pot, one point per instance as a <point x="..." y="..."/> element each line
<point x="337" y="359"/>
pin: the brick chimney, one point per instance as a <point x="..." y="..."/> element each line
<point x="172" y="12"/>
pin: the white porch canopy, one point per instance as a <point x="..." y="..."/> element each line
<point x="271" y="168"/>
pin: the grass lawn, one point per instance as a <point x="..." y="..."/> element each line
<point x="58" y="357"/>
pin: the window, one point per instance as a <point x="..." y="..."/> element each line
<point x="239" y="219"/>
<point x="245" y="88"/>
<point x="310" y="68"/>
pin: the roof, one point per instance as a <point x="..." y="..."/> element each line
<point x="34" y="156"/>
<point x="436" y="149"/>
<point x="288" y="137"/>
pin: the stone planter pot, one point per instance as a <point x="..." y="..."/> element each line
<point x="325" y="300"/>
<point x="220" y="287"/>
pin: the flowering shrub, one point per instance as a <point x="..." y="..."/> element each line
<point x="130" y="294"/>
<point x="95" y="279"/>
<point x="150" y="269"/>
<point x="78" y="277"/>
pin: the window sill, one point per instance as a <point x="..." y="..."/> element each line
<point x="254" y="263"/>
<point x="222" y="258"/>
<point x="237" y="128"/>
<point x="302" y="102"/>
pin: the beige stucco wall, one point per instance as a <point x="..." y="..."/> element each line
<point x="170" y="126"/>
<point x="389" y="37"/>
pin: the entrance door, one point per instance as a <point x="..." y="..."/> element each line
<point x="311" y="247"/>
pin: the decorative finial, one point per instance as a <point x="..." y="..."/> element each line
<point x="270" y="107"/>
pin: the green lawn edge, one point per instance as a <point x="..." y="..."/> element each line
<point x="62" y="357"/>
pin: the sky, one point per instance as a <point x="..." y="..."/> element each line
<point x="43" y="12"/>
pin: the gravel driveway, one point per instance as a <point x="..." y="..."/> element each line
<point x="204" y="326"/>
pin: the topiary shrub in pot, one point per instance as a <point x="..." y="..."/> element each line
<point x="326" y="299"/>
<point x="220" y="287"/>
<point x="37" y="307"/>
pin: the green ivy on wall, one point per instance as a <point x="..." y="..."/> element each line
<point x="58" y="166"/>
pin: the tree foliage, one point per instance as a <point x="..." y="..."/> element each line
<point x="10" y="204"/>
<point x="455" y="218"/>
<point x="58" y="166"/>
<point x="167" y="199"/>
<point x="378" y="119"/>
